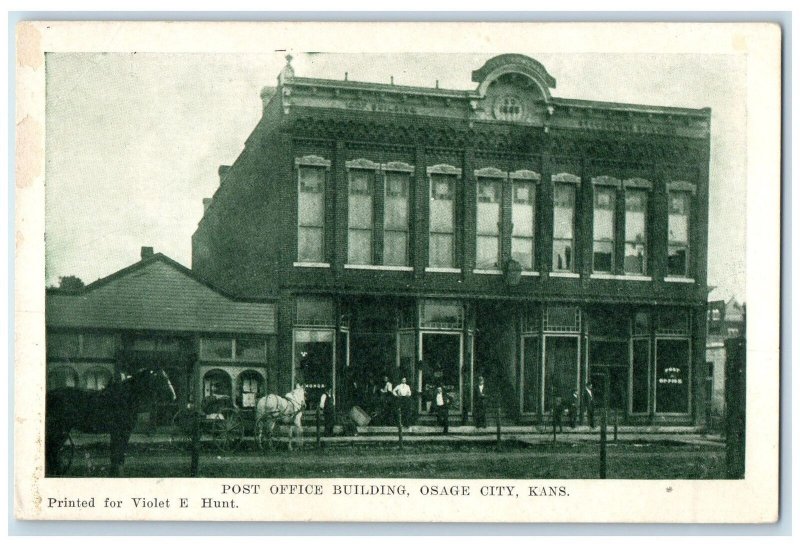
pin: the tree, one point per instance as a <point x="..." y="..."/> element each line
<point x="70" y="283"/>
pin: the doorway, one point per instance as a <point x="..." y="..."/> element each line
<point x="561" y="366"/>
<point x="441" y="353"/>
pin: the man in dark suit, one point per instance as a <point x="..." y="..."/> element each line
<point x="479" y="412"/>
<point x="326" y="404"/>
<point x="442" y="409"/>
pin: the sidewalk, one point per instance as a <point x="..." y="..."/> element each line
<point x="531" y="435"/>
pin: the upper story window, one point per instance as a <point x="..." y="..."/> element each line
<point x="605" y="223"/>
<point x="523" y="218"/>
<point x="378" y="213"/>
<point x="360" y="222"/>
<point x="311" y="174"/>
<point x="636" y="212"/>
<point x="441" y="248"/>
<point x="489" y="197"/>
<point x="679" y="220"/>
<point x="397" y="218"/>
<point x="564" y="190"/>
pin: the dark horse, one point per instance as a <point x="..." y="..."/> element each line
<point x="112" y="410"/>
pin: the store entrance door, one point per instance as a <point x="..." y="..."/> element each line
<point x="442" y="356"/>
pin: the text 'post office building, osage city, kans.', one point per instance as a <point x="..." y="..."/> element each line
<point x="439" y="235"/>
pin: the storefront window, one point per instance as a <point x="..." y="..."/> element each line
<point x="442" y="221"/>
<point x="523" y="218"/>
<point x="311" y="214"/>
<point x="635" y="231"/>
<point x="672" y="376"/>
<point x="217" y="390"/>
<point x="396" y="218"/>
<point x="97" y="379"/>
<point x="672" y="321"/>
<point x="679" y="208"/>
<point x="604" y="228"/>
<point x="250" y="388"/>
<point x="489" y="197"/>
<point x="563" y="227"/>
<point x="62" y="376"/>
<point x="360" y="216"/>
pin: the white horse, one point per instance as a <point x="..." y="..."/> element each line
<point x="287" y="410"/>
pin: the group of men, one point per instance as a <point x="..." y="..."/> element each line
<point x="570" y="408"/>
<point x="397" y="400"/>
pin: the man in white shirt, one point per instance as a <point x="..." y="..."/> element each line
<point x="403" y="394"/>
<point x="326" y="405"/>
<point x="442" y="410"/>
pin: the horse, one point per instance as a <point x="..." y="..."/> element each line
<point x="111" y="410"/>
<point x="287" y="410"/>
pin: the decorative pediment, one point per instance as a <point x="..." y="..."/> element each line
<point x="443" y="169"/>
<point x="605" y="180"/>
<point x="491" y="172"/>
<point x="312" y="161"/>
<point x="362" y="163"/>
<point x="525" y="174"/>
<point x="566" y="177"/>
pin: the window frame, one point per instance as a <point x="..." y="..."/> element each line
<point x="613" y="184"/>
<point x="646" y="187"/>
<point x="567" y="180"/>
<point x="499" y="178"/>
<point x="455" y="174"/>
<point x="312" y="162"/>
<point x="689" y="191"/>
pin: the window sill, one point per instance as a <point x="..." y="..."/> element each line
<point x="487" y="272"/>
<point x="378" y="267"/>
<point x="573" y="275"/>
<point x="311" y="264"/>
<point x="679" y="280"/>
<point x="621" y="277"/>
<point x="530" y="273"/>
<point x="442" y="270"/>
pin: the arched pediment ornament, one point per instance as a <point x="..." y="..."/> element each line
<point x="362" y="163"/>
<point x="514" y="63"/>
<point x="491" y="172"/>
<point x="312" y="161"/>
<point x="443" y="169"/>
<point x="605" y="180"/>
<point x="566" y="177"/>
<point x="398" y="166"/>
<point x="525" y="174"/>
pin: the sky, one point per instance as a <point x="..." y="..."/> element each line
<point x="134" y="140"/>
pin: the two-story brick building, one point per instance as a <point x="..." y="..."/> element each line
<point x="544" y="243"/>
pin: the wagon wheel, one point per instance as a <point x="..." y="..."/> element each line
<point x="65" y="455"/>
<point x="227" y="429"/>
<point x="181" y="431"/>
<point x="263" y="434"/>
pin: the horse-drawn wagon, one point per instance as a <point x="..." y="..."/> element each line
<point x="216" y="418"/>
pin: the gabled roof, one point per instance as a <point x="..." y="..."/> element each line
<point x="157" y="294"/>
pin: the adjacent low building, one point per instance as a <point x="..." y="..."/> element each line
<point x="158" y="313"/>
<point x="548" y="244"/>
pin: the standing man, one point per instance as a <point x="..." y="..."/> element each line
<point x="588" y="403"/>
<point x="386" y="401"/>
<point x="572" y="409"/>
<point x="442" y="410"/>
<point x="479" y="412"/>
<point x="403" y="394"/>
<point x="326" y="405"/>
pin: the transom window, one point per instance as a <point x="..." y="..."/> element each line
<point x="233" y="349"/>
<point x="85" y="345"/>
<point x="562" y="319"/>
<point x="441" y="314"/>
<point x="314" y="311"/>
